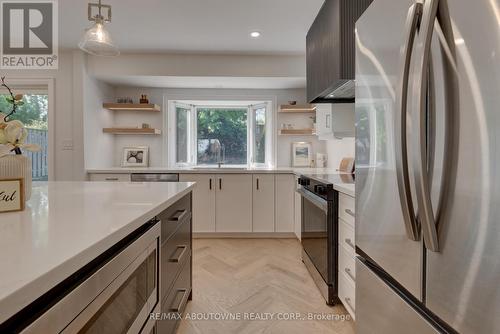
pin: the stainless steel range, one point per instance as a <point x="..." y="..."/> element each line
<point x="320" y="231"/>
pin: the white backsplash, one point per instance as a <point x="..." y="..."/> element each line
<point x="338" y="149"/>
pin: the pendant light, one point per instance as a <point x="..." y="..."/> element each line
<point x="97" y="40"/>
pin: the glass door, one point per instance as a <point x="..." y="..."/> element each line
<point x="33" y="113"/>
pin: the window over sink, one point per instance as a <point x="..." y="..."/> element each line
<point x="224" y="133"/>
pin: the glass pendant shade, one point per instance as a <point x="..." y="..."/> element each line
<point x="97" y="41"/>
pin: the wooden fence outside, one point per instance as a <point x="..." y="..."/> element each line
<point x="40" y="170"/>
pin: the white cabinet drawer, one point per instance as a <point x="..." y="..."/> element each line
<point x="347" y="294"/>
<point x="346" y="208"/>
<point x="347" y="264"/>
<point x="110" y="177"/>
<point x="346" y="236"/>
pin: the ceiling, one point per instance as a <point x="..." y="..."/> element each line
<point x="197" y="26"/>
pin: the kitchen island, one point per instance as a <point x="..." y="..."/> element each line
<point x="68" y="227"/>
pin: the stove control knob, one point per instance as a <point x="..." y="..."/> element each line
<point x="320" y="190"/>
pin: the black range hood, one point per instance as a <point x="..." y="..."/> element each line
<point x="331" y="51"/>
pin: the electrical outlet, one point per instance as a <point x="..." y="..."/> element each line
<point x="67" y="145"/>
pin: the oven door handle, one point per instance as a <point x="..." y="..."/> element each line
<point x="316" y="200"/>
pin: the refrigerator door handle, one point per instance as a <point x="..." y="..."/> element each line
<point x="435" y="12"/>
<point x="402" y="171"/>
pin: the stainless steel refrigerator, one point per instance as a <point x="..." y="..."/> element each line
<point x="428" y="167"/>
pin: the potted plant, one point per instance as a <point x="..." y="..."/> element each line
<point x="13" y="134"/>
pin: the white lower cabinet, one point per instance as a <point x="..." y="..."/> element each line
<point x="233" y="203"/>
<point x="243" y="203"/>
<point x="203" y="201"/>
<point x="263" y="203"/>
<point x="110" y="177"/>
<point x="347" y="251"/>
<point x="285" y="198"/>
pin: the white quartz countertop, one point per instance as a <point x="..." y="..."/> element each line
<point x="66" y="225"/>
<point x="204" y="170"/>
<point x="319" y="173"/>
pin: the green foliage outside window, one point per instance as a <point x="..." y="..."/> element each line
<point x="229" y="126"/>
<point x="33" y="113"/>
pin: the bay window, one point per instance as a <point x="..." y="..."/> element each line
<point x="235" y="134"/>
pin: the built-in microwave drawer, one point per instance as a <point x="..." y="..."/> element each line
<point x="117" y="296"/>
<point x="175" y="215"/>
<point x="174" y="253"/>
<point x="176" y="301"/>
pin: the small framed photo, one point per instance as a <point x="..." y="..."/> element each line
<point x="135" y="156"/>
<point x="301" y="154"/>
<point x="11" y="195"/>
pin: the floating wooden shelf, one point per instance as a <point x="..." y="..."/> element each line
<point x="132" y="131"/>
<point x="287" y="108"/>
<point x="131" y="107"/>
<point x="297" y="132"/>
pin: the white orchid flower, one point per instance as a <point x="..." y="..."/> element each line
<point x="12" y="136"/>
<point x="15" y="133"/>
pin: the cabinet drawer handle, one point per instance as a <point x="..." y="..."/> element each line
<point x="348" y="301"/>
<point x="210" y="184"/>
<point x="181" y="255"/>
<point x="220" y="184"/>
<point x="178" y="216"/>
<point x="349" y="242"/>
<point x="350" y="213"/>
<point x="111" y="179"/>
<point x="182" y="301"/>
<point x="349" y="273"/>
<point x="257" y="183"/>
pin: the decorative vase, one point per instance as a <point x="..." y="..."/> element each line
<point x="17" y="166"/>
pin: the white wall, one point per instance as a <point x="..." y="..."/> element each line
<point x="66" y="159"/>
<point x="195" y="65"/>
<point x="338" y="149"/>
<point x="79" y="118"/>
<point x="99" y="147"/>
<point x="157" y="148"/>
<point x="158" y="144"/>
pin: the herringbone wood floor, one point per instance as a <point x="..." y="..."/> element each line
<point x="256" y="275"/>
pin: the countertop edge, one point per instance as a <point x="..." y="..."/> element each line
<point x="278" y="170"/>
<point x="17" y="300"/>
<point x="190" y="171"/>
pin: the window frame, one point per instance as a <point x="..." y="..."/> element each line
<point x="193" y="131"/>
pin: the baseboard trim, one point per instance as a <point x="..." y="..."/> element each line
<point x="245" y="235"/>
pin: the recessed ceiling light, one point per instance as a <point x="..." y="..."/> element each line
<point x="255" y="34"/>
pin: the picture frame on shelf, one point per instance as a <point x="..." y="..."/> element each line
<point x="11" y="195"/>
<point x="135" y="156"/>
<point x="301" y="154"/>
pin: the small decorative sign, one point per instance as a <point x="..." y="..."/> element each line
<point x="11" y="195"/>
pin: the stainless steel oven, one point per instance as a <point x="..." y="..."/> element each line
<point x="319" y="235"/>
<point x="117" y="297"/>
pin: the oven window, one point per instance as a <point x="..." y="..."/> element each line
<point x="122" y="309"/>
<point x="315" y="236"/>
